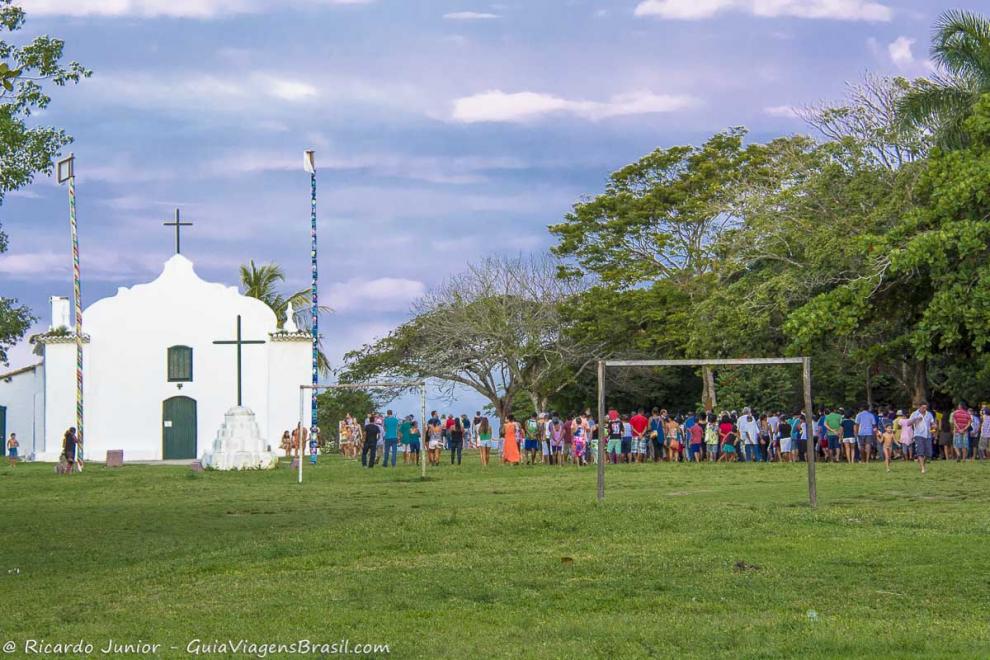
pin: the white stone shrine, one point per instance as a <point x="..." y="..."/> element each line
<point x="239" y="445"/>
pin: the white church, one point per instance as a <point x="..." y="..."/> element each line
<point x="155" y="384"/>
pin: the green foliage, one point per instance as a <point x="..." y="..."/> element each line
<point x="335" y="404"/>
<point x="262" y="282"/>
<point x="26" y="150"/>
<point x="961" y="48"/>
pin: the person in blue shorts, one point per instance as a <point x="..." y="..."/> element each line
<point x="531" y="445"/>
<point x="12" y="449"/>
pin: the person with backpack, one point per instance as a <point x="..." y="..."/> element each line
<point x="532" y="442"/>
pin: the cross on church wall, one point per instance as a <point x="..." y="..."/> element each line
<point x="239" y="341"/>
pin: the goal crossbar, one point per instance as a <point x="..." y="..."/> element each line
<point x="805" y="363"/>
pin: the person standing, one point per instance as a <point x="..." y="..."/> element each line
<point x="961" y="421"/>
<point x="697" y="438"/>
<point x="434" y="431"/>
<point x="404" y="437"/>
<point x="639" y="424"/>
<point x="848" y="425"/>
<point x="567" y="438"/>
<point x="390" y="435"/>
<point x="656" y="435"/>
<point x="749" y="435"/>
<point x="580" y="440"/>
<point x="887" y="437"/>
<point x="832" y="421"/>
<point x="613" y="431"/>
<point x="475" y="428"/>
<point x="456" y="440"/>
<point x="12" y="446"/>
<point x="711" y="438"/>
<point x="866" y="432"/>
<point x="510" y="450"/>
<point x="484" y="431"/>
<point x="69" y="443"/>
<point x="369" y="450"/>
<point x="531" y="444"/>
<point x="413" y="442"/>
<point x="923" y="425"/>
<point x="726" y="434"/>
<point x="984" y="445"/>
<point x="905" y="434"/>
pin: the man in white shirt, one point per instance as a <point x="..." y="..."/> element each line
<point x="749" y="433"/>
<point x="923" y="424"/>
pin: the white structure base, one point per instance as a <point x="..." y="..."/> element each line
<point x="239" y="444"/>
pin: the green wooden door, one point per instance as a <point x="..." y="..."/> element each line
<point x="178" y="428"/>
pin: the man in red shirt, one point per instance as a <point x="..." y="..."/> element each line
<point x="639" y="424"/>
<point x="960" y="431"/>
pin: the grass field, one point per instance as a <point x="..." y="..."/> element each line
<point x="723" y="560"/>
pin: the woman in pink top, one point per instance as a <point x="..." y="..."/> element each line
<point x="905" y="435"/>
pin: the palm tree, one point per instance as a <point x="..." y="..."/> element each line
<point x="961" y="49"/>
<point x="261" y="282"/>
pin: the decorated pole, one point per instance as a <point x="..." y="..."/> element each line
<point x="309" y="162"/>
<point x="65" y="172"/>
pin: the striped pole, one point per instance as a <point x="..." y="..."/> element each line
<point x="65" y="173"/>
<point x="78" y="303"/>
<point x="311" y="167"/>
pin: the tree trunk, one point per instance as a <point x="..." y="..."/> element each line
<point x="708" y="389"/>
<point x="869" y="386"/>
<point x="539" y="401"/>
<point x="914" y="378"/>
<point x="919" y="382"/>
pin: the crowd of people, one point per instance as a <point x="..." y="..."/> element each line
<point x="852" y="435"/>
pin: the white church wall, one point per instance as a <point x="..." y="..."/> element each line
<point x="22" y="394"/>
<point x="60" y="395"/>
<point x="127" y="377"/>
<point x="289" y="367"/>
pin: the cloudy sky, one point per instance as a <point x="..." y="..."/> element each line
<point x="444" y="129"/>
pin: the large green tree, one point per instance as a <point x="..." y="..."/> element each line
<point x="26" y="148"/>
<point x="497" y="328"/>
<point x="926" y="275"/>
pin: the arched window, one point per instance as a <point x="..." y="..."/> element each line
<point x="180" y="364"/>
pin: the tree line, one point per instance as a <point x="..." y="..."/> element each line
<point x="863" y="245"/>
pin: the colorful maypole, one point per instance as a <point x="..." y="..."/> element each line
<point x="65" y="172"/>
<point x="309" y="162"/>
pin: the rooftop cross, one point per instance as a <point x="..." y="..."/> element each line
<point x="178" y="224"/>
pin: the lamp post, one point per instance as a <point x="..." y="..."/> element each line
<point x="65" y="172"/>
<point x="309" y="163"/>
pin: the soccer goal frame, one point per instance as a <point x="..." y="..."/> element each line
<point x="805" y="363"/>
<point x="374" y="385"/>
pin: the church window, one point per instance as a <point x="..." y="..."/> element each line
<point x="179" y="364"/>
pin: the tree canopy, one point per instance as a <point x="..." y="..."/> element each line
<point x="26" y="148"/>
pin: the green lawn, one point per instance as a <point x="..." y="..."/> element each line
<point x="685" y="560"/>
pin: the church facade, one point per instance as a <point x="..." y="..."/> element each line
<point x="157" y="385"/>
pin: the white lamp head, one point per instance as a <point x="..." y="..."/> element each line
<point x="309" y="161"/>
